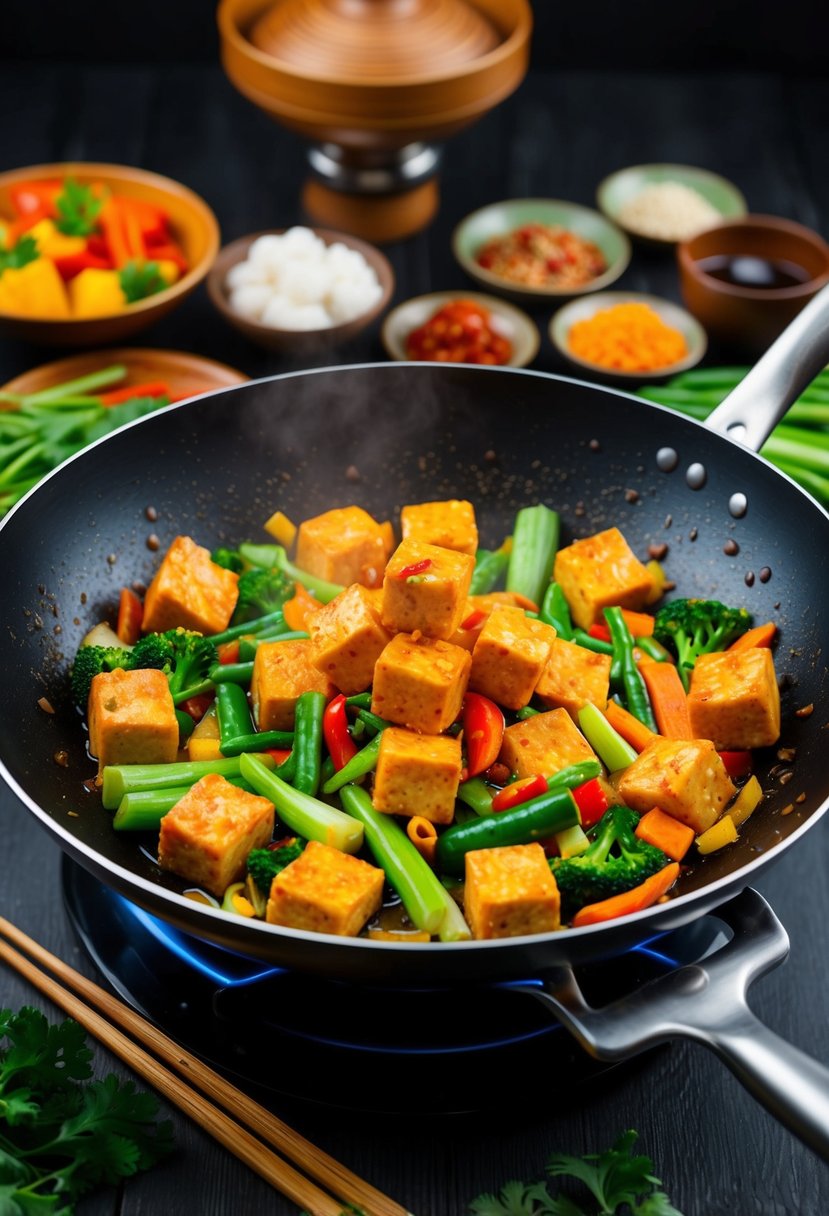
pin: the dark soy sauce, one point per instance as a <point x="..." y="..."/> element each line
<point x="743" y="270"/>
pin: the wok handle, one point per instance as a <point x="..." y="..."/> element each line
<point x="751" y="411"/>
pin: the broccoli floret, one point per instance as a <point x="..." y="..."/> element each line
<point x="261" y="591"/>
<point x="184" y="656"/>
<point x="265" y="864"/>
<point x="153" y="650"/>
<point x="229" y="559"/>
<point x="690" y="628"/>
<point x="616" y="861"/>
<point x="89" y="662"/>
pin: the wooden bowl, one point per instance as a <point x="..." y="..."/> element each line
<point x="514" y="324"/>
<point x="298" y="341"/>
<point x="185" y="374"/>
<point x="192" y="222"/>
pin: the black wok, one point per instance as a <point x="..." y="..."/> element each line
<point x="384" y="435"/>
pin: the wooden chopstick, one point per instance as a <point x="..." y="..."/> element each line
<point x="340" y="1181"/>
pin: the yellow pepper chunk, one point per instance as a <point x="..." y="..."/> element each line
<point x="281" y="529"/>
<point x="96" y="293"/>
<point x="168" y="270"/>
<point x="34" y="290"/>
<point x="52" y="243"/>
<point x="203" y="744"/>
<point x="723" y="832"/>
<point x="746" y="802"/>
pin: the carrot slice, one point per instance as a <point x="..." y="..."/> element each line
<point x="665" y="833"/>
<point x="640" y="624"/>
<point x="669" y="700"/>
<point x="647" y="893"/>
<point x="760" y="635"/>
<point x="130" y="617"/>
<point x="300" y="608"/>
<point x="630" y="728"/>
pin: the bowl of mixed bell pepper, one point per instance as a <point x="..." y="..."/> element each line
<point x="92" y="253"/>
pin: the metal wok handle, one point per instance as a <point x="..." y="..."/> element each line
<point x="751" y="411"/>
<point x="706" y="1002"/>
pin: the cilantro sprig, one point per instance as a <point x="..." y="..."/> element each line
<point x="618" y="1181"/>
<point x="62" y="1134"/>
<point x="141" y="279"/>
<point x="77" y="209"/>
<point x="19" y="255"/>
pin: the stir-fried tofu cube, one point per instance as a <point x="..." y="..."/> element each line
<point x="190" y="590"/>
<point x="545" y="743"/>
<point x="281" y="672"/>
<point x="345" y="545"/>
<point x="420" y="683"/>
<point x="325" y="891"/>
<point x="598" y="572"/>
<point x="509" y="656"/>
<point x="132" y="719"/>
<point x="510" y="891"/>
<point x="425" y="588"/>
<point x="208" y="834"/>
<point x="417" y="774"/>
<point x="734" y="699"/>
<point x="450" y="524"/>
<point x="574" y="676"/>
<point x="348" y="638"/>
<point x="683" y="777"/>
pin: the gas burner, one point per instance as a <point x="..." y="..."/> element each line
<point x="447" y="1051"/>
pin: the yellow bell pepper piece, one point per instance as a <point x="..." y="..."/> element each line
<point x="746" y="802"/>
<point x="722" y="833"/>
<point x="34" y="290"/>
<point x="51" y="243"/>
<point x="281" y="529"/>
<point x="96" y="293"/>
<point x="203" y="744"/>
<point x="169" y="271"/>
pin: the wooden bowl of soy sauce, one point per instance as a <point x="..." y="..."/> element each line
<point x="746" y="279"/>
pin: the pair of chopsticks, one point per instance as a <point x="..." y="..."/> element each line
<point x="187" y="1091"/>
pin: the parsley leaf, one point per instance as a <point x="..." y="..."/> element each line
<point x="77" y="209"/>
<point x="19" y="255"/>
<point x="140" y="279"/>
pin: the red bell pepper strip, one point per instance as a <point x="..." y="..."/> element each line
<point x="153" y="388"/>
<point x="72" y="264"/>
<point x="341" y="747"/>
<point x="168" y="251"/>
<point x="130" y="617"/>
<point x="483" y="733"/>
<point x="519" y="791"/>
<point x="36" y="197"/>
<point x="601" y="632"/>
<point x="228" y="652"/>
<point x="591" y="801"/>
<point x="737" y="764"/>
<point x="474" y="619"/>
<point x="197" y="706"/>
<point x="280" y="755"/>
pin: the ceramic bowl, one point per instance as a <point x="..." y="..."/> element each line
<point x="744" y="317"/>
<point x="617" y="190"/>
<point x="512" y="323"/>
<point x="501" y="218"/>
<point x="671" y="314"/>
<point x="193" y="225"/>
<point x="186" y="375"/>
<point x="298" y="341"/>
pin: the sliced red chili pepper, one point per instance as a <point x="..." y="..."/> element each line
<point x="228" y="652"/>
<point x="414" y="568"/>
<point x="474" y="619"/>
<point x="601" y="632"/>
<point x="341" y="747"/>
<point x="591" y="800"/>
<point x="280" y="755"/>
<point x="519" y="791"/>
<point x="483" y="732"/>
<point x="198" y="706"/>
<point x="737" y="764"/>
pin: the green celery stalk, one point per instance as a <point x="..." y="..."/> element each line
<point x="300" y="812"/>
<point x="534" y="544"/>
<point x="608" y="744"/>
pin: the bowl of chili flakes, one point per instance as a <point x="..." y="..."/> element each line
<point x="460" y="327"/>
<point x="540" y="249"/>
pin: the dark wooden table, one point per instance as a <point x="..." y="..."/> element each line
<point x="716" y="1150"/>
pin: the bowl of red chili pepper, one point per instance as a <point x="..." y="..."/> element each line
<point x="452" y="327"/>
<point x="92" y="253"/>
<point x="540" y="249"/>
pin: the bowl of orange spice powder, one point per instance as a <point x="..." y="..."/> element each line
<point x="624" y="336"/>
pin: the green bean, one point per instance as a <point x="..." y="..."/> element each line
<point x="269" y="620"/>
<point x="362" y="700"/>
<point x="534" y="544"/>
<point x="233" y="714"/>
<point x="83" y="384"/>
<point x="653" y="649"/>
<point x="249" y="646"/>
<point x="475" y="793"/>
<point x="307" y="750"/>
<point x="555" y="611"/>
<point x="490" y="567"/>
<point x="530" y="821"/>
<point x="230" y="673"/>
<point x="372" y="721"/>
<point x="582" y="638"/>
<point x="614" y="752"/>
<point x="636" y="693"/>
<point x="143" y="810"/>
<point x="358" y="766"/>
<point x="257" y="741"/>
<point x="527" y="711"/>
<point x="300" y="812"/>
<point x="574" y="775"/>
<point x="121" y="779"/>
<point x="412" y="878"/>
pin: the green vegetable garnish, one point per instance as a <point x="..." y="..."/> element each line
<point x="140" y="279"/>
<point x="78" y="209"/>
<point x="19" y="255"/>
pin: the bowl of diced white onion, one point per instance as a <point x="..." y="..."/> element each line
<point x="300" y="288"/>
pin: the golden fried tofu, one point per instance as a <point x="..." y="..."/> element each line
<point x="190" y="590"/>
<point x="420" y="683"/>
<point x="450" y="524"/>
<point x="509" y="657"/>
<point x="132" y="718"/>
<point x="510" y="891"/>
<point x="208" y="834"/>
<point x="683" y="777"/>
<point x="348" y="638"/>
<point x="325" y="891"/>
<point x="345" y="545"/>
<point x="734" y="699"/>
<point x="574" y="676"/>
<point x="600" y="571"/>
<point x="425" y="588"/>
<point x="545" y="743"/>
<point x="281" y="671"/>
<point x="417" y="774"/>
